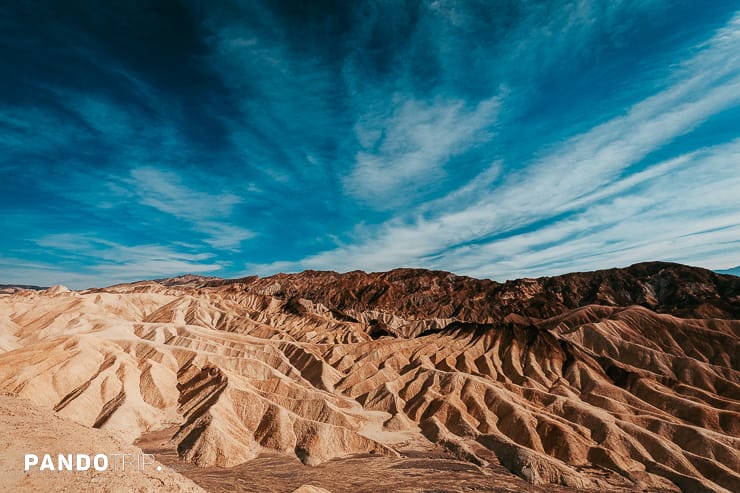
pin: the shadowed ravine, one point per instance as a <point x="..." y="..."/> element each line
<point x="625" y="379"/>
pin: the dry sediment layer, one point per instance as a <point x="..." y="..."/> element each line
<point x="589" y="380"/>
<point x="31" y="429"/>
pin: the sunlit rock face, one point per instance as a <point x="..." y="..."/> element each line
<point x="620" y="377"/>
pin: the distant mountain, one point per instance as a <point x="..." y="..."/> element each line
<point x="186" y="280"/>
<point x="11" y="288"/>
<point x="663" y="287"/>
<point x="733" y="271"/>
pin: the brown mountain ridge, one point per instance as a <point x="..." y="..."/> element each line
<point x="621" y="379"/>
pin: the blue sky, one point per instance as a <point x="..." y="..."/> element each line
<point x="496" y="139"/>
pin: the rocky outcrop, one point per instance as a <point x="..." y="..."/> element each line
<point x="625" y="376"/>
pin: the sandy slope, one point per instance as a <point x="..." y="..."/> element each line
<point x="553" y="379"/>
<point x="28" y="428"/>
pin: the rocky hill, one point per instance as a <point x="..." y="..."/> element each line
<point x="618" y="380"/>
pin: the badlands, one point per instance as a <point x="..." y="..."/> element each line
<point x="409" y="380"/>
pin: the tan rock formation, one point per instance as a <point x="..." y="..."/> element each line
<point x="31" y="429"/>
<point x="584" y="381"/>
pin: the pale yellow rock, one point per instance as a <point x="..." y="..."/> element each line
<point x="310" y="489"/>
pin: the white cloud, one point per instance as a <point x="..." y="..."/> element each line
<point x="690" y="214"/>
<point x="405" y="151"/>
<point x="207" y="212"/>
<point x="164" y="191"/>
<point x="613" y="215"/>
<point x="110" y="262"/>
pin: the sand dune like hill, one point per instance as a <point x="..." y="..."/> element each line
<point x="623" y="379"/>
<point x="31" y="429"/>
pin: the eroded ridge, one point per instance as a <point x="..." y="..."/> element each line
<point x="623" y="377"/>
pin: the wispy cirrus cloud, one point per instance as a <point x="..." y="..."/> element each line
<point x="208" y="212"/>
<point x="541" y="213"/>
<point x="675" y="210"/>
<point x="108" y="262"/>
<point x="403" y="152"/>
<point x="521" y="138"/>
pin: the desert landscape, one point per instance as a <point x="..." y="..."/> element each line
<point x="279" y="246"/>
<point x="408" y="380"/>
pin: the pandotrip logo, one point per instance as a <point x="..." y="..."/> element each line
<point x="89" y="462"/>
